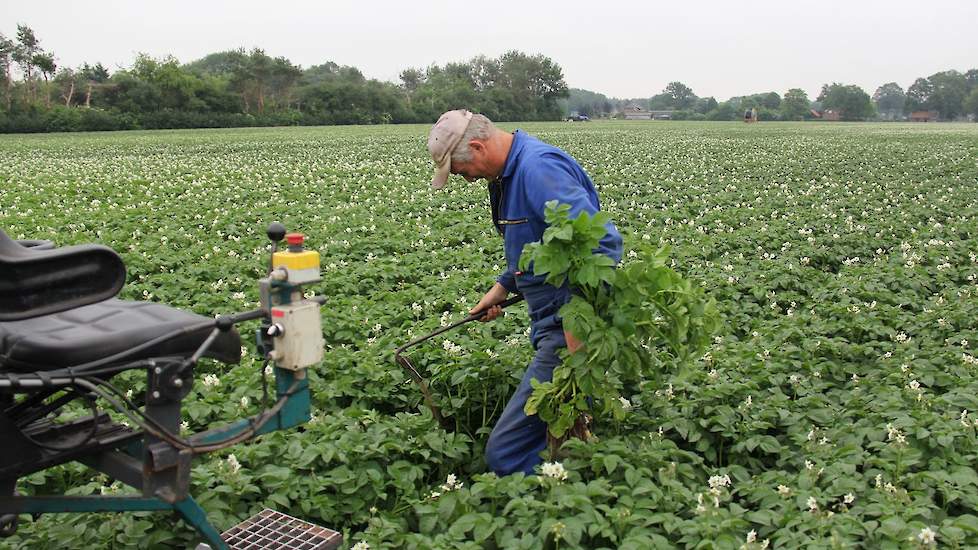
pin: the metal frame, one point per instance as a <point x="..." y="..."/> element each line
<point x="157" y="468"/>
<point x="161" y="471"/>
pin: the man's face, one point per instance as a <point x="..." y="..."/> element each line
<point x="467" y="170"/>
<point x="475" y="168"/>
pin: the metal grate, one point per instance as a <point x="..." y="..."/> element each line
<point x="269" y="529"/>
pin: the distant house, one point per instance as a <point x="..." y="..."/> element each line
<point x="924" y="116"/>
<point x="832" y="114"/>
<point x="634" y="112"/>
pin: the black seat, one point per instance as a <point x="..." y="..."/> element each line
<point x="40" y="280"/>
<point x="57" y="309"/>
<point x="101" y="330"/>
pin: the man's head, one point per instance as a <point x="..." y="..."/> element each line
<point x="466" y="144"/>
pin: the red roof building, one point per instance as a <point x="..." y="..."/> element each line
<point x="924" y="116"/>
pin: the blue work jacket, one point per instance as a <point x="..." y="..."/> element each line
<point x="535" y="173"/>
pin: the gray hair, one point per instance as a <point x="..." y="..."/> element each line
<point x="479" y="128"/>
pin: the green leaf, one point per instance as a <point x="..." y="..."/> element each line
<point x="463" y="524"/>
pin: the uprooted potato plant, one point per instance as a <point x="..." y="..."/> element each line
<point x="636" y="324"/>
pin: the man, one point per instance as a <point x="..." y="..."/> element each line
<point x="524" y="174"/>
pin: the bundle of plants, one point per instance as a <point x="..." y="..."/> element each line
<point x="636" y="322"/>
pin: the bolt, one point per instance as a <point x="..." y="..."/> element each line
<point x="156" y="395"/>
<point x="177" y="382"/>
<point x="157" y="370"/>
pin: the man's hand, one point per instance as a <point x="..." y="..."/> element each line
<point x="488" y="302"/>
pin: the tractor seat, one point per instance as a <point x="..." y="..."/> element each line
<point x="103" y="329"/>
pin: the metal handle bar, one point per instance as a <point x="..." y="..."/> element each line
<point x="413" y="372"/>
<point x="475" y="316"/>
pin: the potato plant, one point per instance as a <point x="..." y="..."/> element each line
<point x="635" y="324"/>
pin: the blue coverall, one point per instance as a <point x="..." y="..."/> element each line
<point x="534" y="174"/>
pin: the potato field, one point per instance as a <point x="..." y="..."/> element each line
<point x="837" y="406"/>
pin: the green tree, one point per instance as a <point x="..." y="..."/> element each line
<point x="7" y="49"/>
<point x="971" y="78"/>
<point x="661" y="102"/>
<point x="851" y="101"/>
<point x="516" y="86"/>
<point x="949" y="91"/>
<point x="970" y="104"/>
<point x="237" y="69"/>
<point x="918" y="95"/>
<point x="284" y="76"/>
<point x="485" y="72"/>
<point x="44" y="61"/>
<point x="260" y="79"/>
<point x="218" y="63"/>
<point x="586" y="102"/>
<point x="724" y="111"/>
<point x="343" y="101"/>
<point x="330" y="71"/>
<point x="67" y="81"/>
<point x="92" y="76"/>
<point x="795" y="105"/>
<point x="705" y="105"/>
<point x="535" y="83"/>
<point x="176" y="86"/>
<point x="890" y="100"/>
<point x="771" y="100"/>
<point x="25" y="52"/>
<point x="411" y="79"/>
<point x="681" y="95"/>
<point x="260" y="68"/>
<point x="164" y="89"/>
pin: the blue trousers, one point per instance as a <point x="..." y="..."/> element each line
<point x="517" y="439"/>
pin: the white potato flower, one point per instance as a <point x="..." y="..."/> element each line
<point x="233" y="464"/>
<point x="927" y="536"/>
<point x="554" y="470"/>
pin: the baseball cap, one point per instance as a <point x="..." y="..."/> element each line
<point x="444" y="137"/>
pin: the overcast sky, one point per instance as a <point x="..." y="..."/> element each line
<point x="619" y="48"/>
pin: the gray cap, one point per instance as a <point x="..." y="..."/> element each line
<point x="444" y="137"/>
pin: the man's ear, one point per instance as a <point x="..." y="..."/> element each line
<point x="477" y="145"/>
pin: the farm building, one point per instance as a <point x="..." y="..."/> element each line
<point x="634" y="112"/>
<point x="924" y="116"/>
<point x="832" y="115"/>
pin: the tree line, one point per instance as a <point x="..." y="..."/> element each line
<point x="252" y="88"/>
<point x="951" y="94"/>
